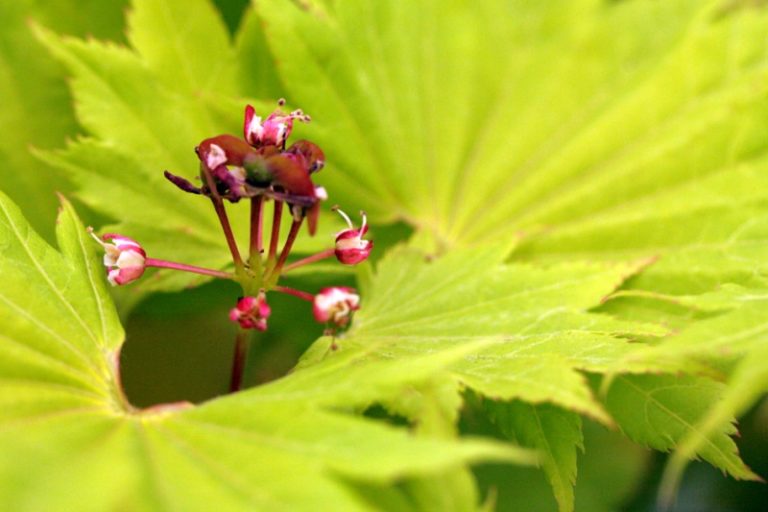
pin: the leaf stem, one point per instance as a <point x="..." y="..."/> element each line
<point x="242" y="343"/>
<point x="310" y="259"/>
<point x="152" y="262"/>
<point x="296" y="293"/>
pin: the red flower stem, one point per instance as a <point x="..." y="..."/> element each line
<point x="238" y="360"/>
<point x="221" y="212"/>
<point x="257" y="209"/>
<point x="296" y="293"/>
<point x="275" y="238"/>
<point x="310" y="259"/>
<point x="151" y="262"/>
<point x="286" y="248"/>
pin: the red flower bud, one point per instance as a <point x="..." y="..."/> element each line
<point x="251" y="312"/>
<point x="351" y="249"/>
<point x="124" y="258"/>
<point x="335" y="305"/>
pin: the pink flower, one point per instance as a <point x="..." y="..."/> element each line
<point x="274" y="130"/>
<point x="251" y="312"/>
<point x="351" y="249"/>
<point x="124" y="258"/>
<point x="335" y="305"/>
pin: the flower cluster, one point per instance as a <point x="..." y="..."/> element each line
<point x="259" y="165"/>
<point x="261" y="168"/>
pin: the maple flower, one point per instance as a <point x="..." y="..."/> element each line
<point x="336" y="305"/>
<point x="351" y="249"/>
<point x="124" y="258"/>
<point x="239" y="170"/>
<point x="274" y="130"/>
<point x="251" y="312"/>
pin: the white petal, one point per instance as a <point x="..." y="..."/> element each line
<point x="130" y="259"/>
<point x="216" y="157"/>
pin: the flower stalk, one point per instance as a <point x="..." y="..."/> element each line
<point x="296" y="293"/>
<point x="274" y="239"/>
<point x="221" y="213"/>
<point x="275" y="273"/>
<point x="257" y="212"/>
<point x="327" y="253"/>
<point x="152" y="262"/>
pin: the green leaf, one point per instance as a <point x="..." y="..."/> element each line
<point x="184" y="44"/>
<point x="713" y="237"/>
<point x="257" y="72"/>
<point x="655" y="149"/>
<point x="611" y="471"/>
<point x="77" y="17"/>
<point x="454" y="117"/>
<point x="534" y="320"/>
<point x="738" y="334"/>
<point x="660" y="411"/>
<point x="36" y="105"/>
<point x="555" y="433"/>
<point x="733" y="334"/>
<point x="433" y="408"/>
<point x="69" y="441"/>
<point x="59" y="327"/>
<point x="748" y="383"/>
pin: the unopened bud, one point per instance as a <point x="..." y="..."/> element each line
<point x="335" y="305"/>
<point x="351" y="249"/>
<point x="124" y="258"/>
<point x="251" y="312"/>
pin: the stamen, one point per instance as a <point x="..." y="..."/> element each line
<point x="365" y="219"/>
<point x="89" y="229"/>
<point x="281" y="102"/>
<point x="338" y="210"/>
<point x="297" y="212"/>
